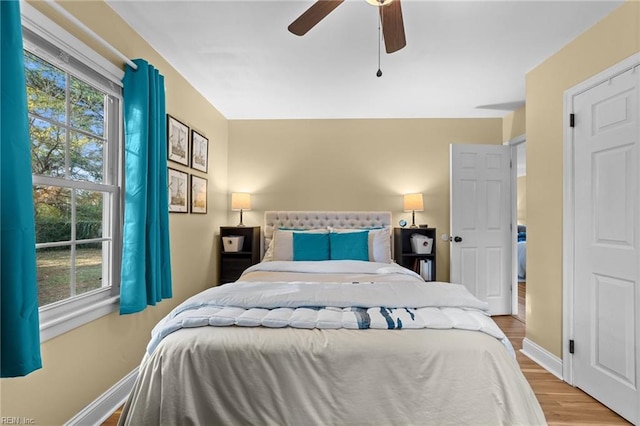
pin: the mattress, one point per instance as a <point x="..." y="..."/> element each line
<point x="457" y="370"/>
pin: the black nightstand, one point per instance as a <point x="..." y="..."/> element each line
<point x="233" y="263"/>
<point x="404" y="255"/>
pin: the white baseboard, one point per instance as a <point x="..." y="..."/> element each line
<point x="100" y="409"/>
<point x="542" y="357"/>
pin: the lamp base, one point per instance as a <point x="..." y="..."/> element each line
<point x="240" y="225"/>
<point x="413" y="219"/>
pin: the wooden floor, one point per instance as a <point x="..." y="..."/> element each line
<point x="562" y="404"/>
<point x="522" y="306"/>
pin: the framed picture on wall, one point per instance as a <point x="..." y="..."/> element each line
<point x="199" y="151"/>
<point x="198" y="194"/>
<point x="178" y="191"/>
<point x="177" y="141"/>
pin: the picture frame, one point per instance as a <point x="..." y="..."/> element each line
<point x="199" y="151"/>
<point x="178" y="191"/>
<point x="177" y="141"/>
<point x="198" y="194"/>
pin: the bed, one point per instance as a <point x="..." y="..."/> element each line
<point x="352" y="339"/>
<point x="522" y="253"/>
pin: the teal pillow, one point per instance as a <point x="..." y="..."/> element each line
<point x="349" y="245"/>
<point x="310" y="246"/>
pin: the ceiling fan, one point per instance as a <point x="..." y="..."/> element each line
<point x="390" y="19"/>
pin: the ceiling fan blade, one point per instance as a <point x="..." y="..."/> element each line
<point x="393" y="26"/>
<point x="313" y="15"/>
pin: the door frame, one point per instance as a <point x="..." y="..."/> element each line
<point x="568" y="197"/>
<point x="513" y="143"/>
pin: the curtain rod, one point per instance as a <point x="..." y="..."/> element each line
<point x="90" y="32"/>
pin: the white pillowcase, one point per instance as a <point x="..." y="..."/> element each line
<point x="379" y="242"/>
<point x="281" y="245"/>
<point x="268" y="255"/>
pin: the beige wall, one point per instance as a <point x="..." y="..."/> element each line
<point x="352" y="165"/>
<point x="514" y="124"/>
<point x="82" y="364"/>
<point x="611" y="40"/>
<point x="521" y="206"/>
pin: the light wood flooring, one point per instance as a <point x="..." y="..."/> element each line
<point x="522" y="306"/>
<point x="562" y="404"/>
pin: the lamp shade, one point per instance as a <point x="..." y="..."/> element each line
<point x="413" y="202"/>
<point x="240" y="201"/>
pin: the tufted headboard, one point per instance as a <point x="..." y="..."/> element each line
<point x="314" y="220"/>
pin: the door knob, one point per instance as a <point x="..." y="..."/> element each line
<point x="457" y="239"/>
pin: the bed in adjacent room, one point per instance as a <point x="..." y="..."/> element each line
<point x="522" y="253"/>
<point x="329" y="330"/>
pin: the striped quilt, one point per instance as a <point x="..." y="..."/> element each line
<point x="321" y="305"/>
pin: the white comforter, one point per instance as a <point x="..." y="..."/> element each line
<point x="378" y="271"/>
<point x="329" y="271"/>
<point x="246" y="375"/>
<point x="522" y="261"/>
<point x="392" y="305"/>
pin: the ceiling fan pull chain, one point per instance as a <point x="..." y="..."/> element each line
<point x="379" y="73"/>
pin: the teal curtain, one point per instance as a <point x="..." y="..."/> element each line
<point x="19" y="322"/>
<point x="146" y="257"/>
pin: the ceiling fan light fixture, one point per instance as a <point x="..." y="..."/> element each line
<point x="379" y="3"/>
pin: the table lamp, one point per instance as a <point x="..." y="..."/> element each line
<point x="413" y="203"/>
<point x="240" y="201"/>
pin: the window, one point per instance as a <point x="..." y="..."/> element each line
<point x="75" y="118"/>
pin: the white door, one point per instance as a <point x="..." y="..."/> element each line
<point x="481" y="238"/>
<point x="606" y="243"/>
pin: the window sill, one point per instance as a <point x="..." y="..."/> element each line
<point x="62" y="317"/>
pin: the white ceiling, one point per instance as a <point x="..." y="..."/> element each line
<point x="463" y="58"/>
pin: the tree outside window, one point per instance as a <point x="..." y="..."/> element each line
<point x="73" y="191"/>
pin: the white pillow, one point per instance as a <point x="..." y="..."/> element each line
<point x="379" y="242"/>
<point x="268" y="255"/>
<point x="281" y="245"/>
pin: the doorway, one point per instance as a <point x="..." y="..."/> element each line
<point x="519" y="214"/>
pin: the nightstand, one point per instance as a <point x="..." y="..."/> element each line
<point x="404" y="255"/>
<point x="233" y="263"/>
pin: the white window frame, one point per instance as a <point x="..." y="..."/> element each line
<point x="65" y="315"/>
